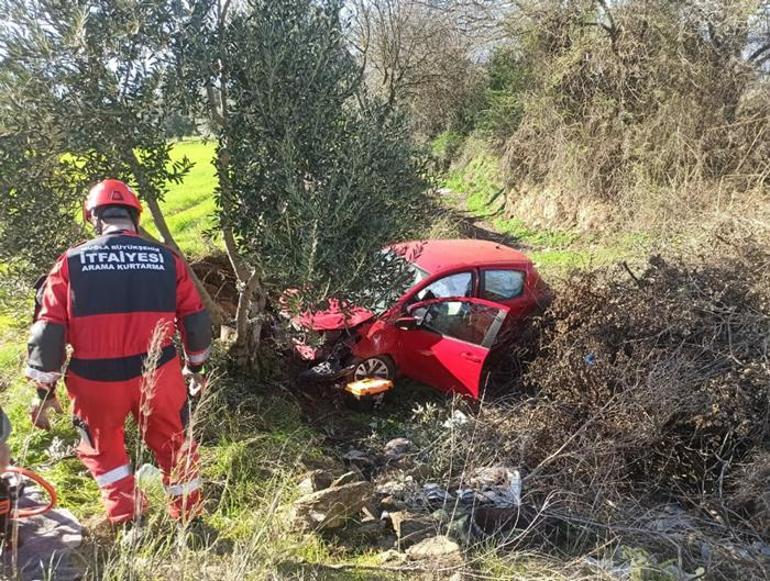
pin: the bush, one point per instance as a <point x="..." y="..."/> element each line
<point x="666" y="367"/>
<point x="445" y="148"/>
<point x="503" y="95"/>
<point x="626" y="97"/>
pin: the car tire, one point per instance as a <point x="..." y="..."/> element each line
<point x="380" y="366"/>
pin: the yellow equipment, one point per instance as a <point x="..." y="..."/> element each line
<point x="371" y="386"/>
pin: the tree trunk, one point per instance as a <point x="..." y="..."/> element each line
<point x="249" y="320"/>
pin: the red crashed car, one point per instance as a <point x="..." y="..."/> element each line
<point x="440" y="331"/>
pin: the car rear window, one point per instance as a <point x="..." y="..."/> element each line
<point x="501" y="285"/>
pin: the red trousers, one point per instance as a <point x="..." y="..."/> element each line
<point x="160" y="411"/>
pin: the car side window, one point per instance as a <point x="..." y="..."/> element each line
<point x="501" y="285"/>
<point x="468" y="322"/>
<point x="455" y="285"/>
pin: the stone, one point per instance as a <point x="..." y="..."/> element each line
<point x="371" y="511"/>
<point x="332" y="507"/>
<point x="456" y="420"/>
<point x="438" y="548"/>
<point x="392" y="504"/>
<point x="357" y="458"/>
<point x="314" y="481"/>
<point x="347" y="478"/>
<point x="411" y="528"/>
<point x="396" y="448"/>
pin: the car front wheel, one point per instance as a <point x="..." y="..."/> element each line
<point x="381" y="366"/>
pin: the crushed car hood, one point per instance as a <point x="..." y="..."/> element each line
<point x="335" y="318"/>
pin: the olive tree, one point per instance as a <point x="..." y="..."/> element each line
<point x="82" y="88"/>
<point x="315" y="177"/>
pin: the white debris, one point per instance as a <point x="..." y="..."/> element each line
<point x="456" y="420"/>
<point x="435" y="494"/>
<point x="148" y="475"/>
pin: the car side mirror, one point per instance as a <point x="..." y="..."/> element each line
<point x="407" y="322"/>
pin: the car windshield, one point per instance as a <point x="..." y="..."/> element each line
<point x="405" y="278"/>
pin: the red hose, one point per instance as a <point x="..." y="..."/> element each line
<point x="48" y="487"/>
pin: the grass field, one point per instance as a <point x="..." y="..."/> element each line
<point x="189" y="207"/>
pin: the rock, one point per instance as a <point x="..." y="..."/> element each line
<point x="314" y="481"/>
<point x="392" y="504"/>
<point x="371" y="511"/>
<point x="411" y="528"/>
<point x="330" y="508"/>
<point x="397" y="486"/>
<point x="148" y="475"/>
<point x="438" y="548"/>
<point x="357" y="457"/>
<point x="347" y="478"/>
<point x="456" y="420"/>
<point x="396" y="448"/>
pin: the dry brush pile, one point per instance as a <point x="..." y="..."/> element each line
<point x="643" y="415"/>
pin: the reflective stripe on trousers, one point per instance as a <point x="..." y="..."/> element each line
<point x="183" y="488"/>
<point x="113" y="475"/>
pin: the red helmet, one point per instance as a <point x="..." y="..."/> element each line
<point x="110" y="193"/>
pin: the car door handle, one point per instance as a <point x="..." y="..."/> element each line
<point x="470" y="357"/>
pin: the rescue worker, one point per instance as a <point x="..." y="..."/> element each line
<point x="106" y="299"/>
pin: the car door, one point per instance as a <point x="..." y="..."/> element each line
<point x="450" y="342"/>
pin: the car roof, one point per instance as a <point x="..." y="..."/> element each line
<point x="438" y="255"/>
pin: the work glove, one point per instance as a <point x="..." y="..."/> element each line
<point x="196" y="381"/>
<point x="44" y="402"/>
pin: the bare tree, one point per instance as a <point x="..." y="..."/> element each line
<point x="416" y="55"/>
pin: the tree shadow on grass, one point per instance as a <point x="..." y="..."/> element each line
<point x="479" y="228"/>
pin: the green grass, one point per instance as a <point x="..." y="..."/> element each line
<point x="478" y="181"/>
<point x="189" y="207"/>
<point x="479" y="178"/>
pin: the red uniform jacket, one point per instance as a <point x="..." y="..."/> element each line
<point x="106" y="298"/>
